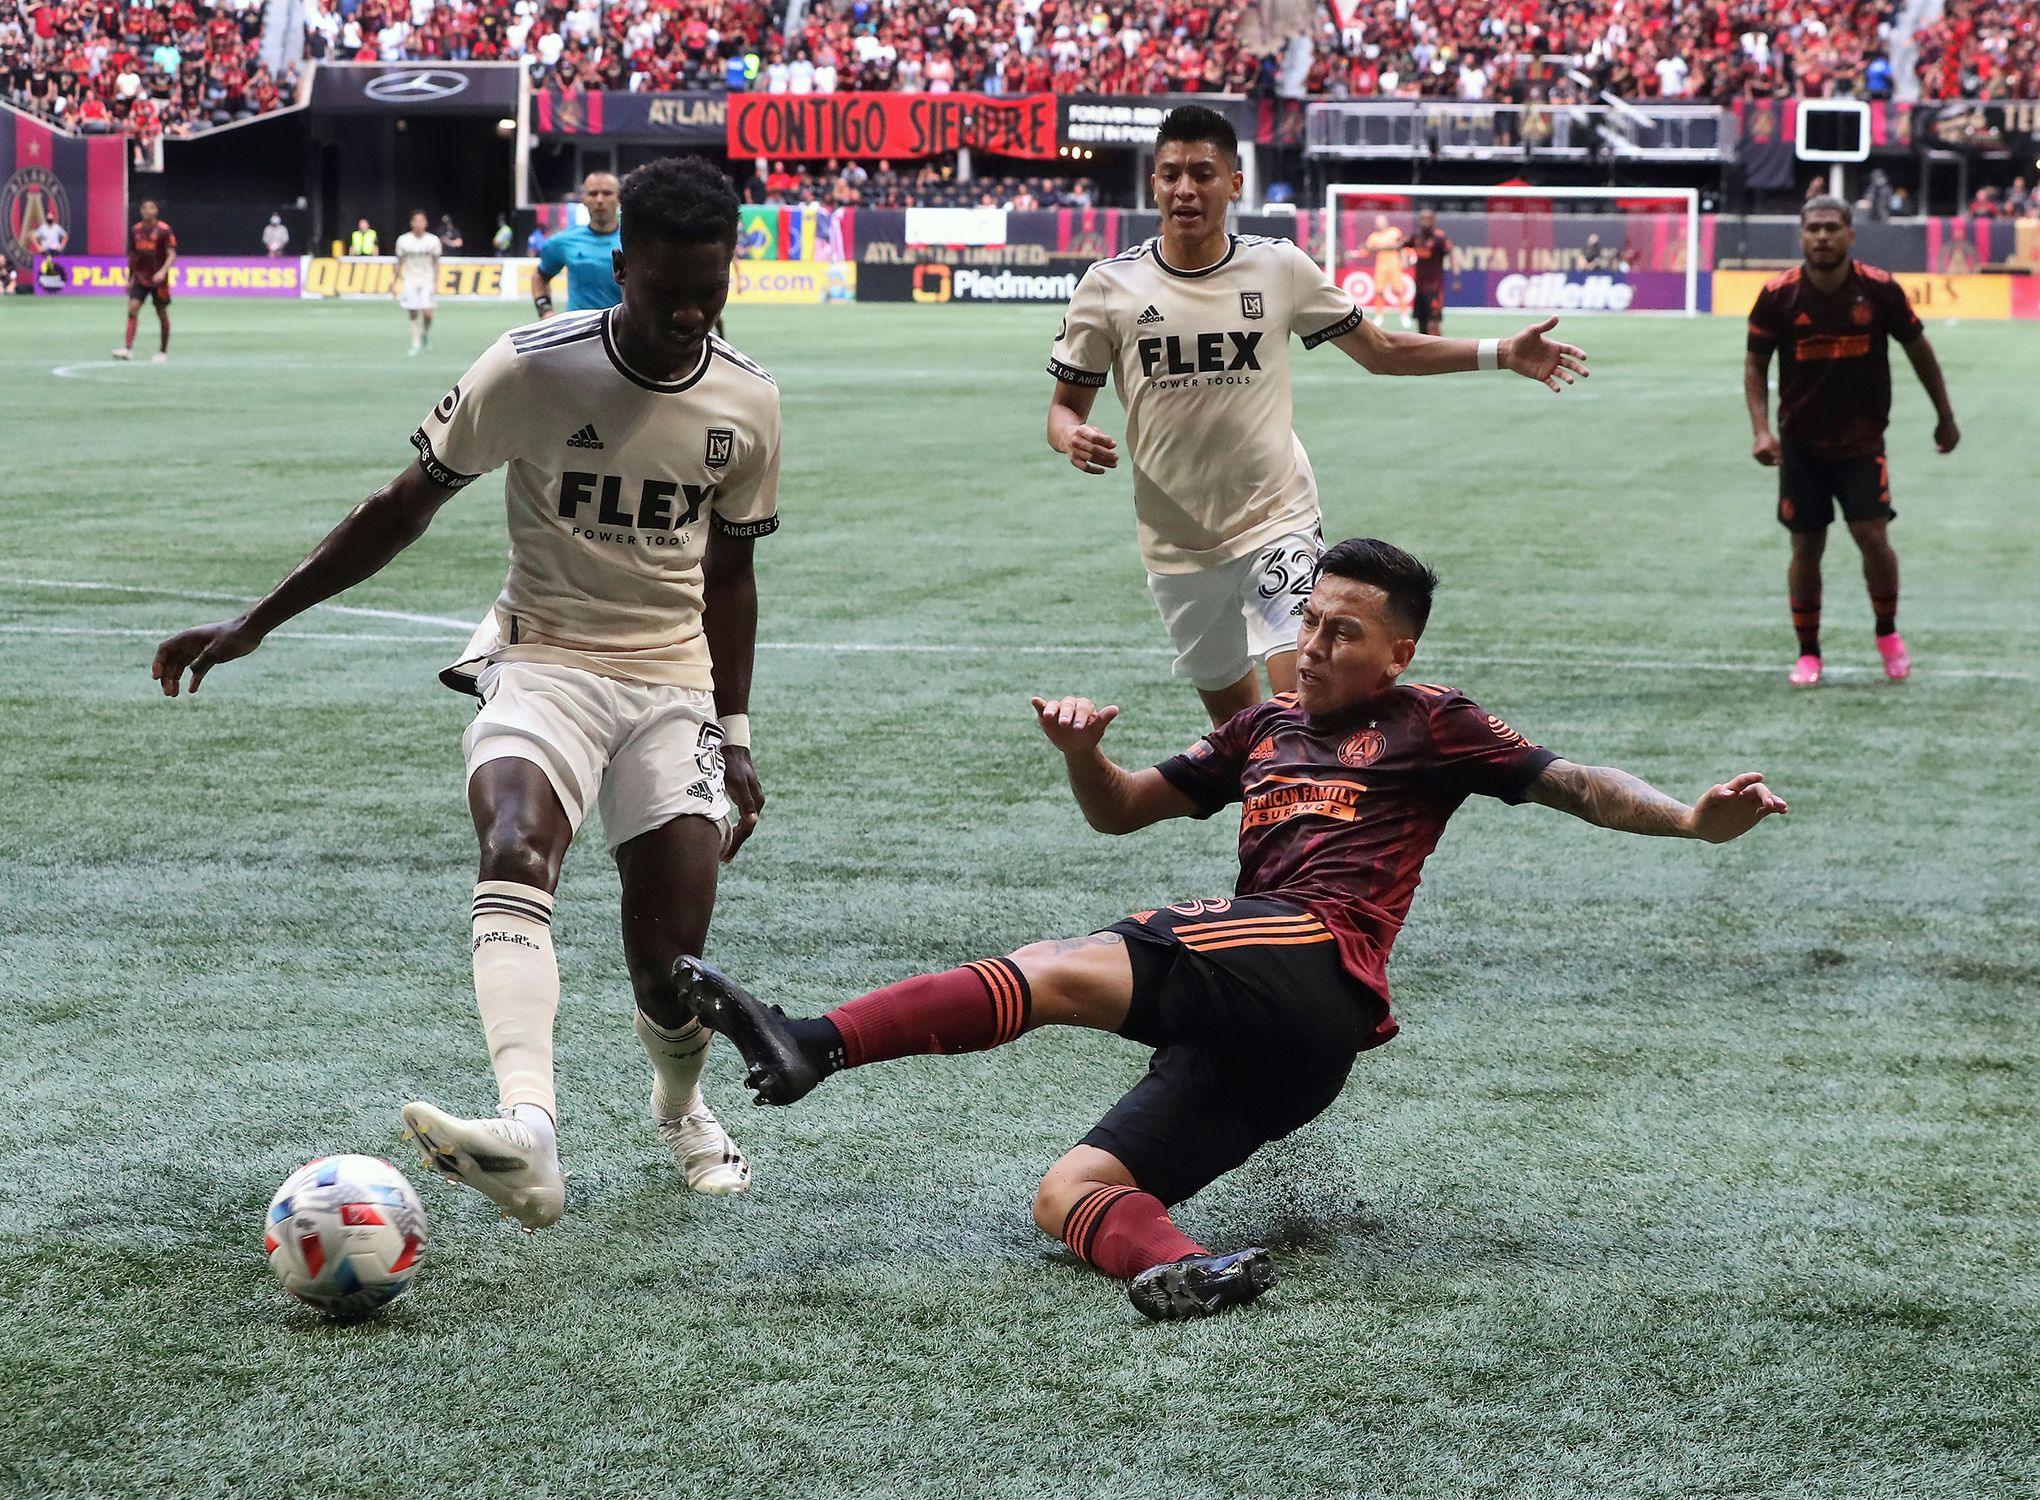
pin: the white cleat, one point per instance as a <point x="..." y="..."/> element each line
<point x="123" y="354"/>
<point x="708" y="1158"/>
<point x="513" y="1165"/>
<point x="161" y="357"/>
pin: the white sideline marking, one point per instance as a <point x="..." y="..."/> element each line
<point x="464" y="626"/>
<point x="461" y="629"/>
<point x="136" y="632"/>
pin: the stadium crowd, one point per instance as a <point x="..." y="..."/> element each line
<point x="1522" y="51"/>
<point x="179" y="65"/>
<point x="151" y="69"/>
<point x="1511" y="51"/>
<point x="1981" y="49"/>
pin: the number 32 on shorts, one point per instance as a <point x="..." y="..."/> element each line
<point x="1292" y="571"/>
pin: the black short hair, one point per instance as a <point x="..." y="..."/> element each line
<point x="1407" y="582"/>
<point x="683" y="200"/>
<point x="1195" y="122"/>
<point x="1828" y="203"/>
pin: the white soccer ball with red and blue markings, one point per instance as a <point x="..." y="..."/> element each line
<point x="346" y="1234"/>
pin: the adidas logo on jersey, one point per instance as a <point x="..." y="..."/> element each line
<point x="1802" y="321"/>
<point x="1152" y="315"/>
<point x="585" y="438"/>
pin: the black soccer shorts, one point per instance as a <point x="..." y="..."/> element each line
<point x="1255" y="1025"/>
<point x="1809" y="487"/>
<point x="1428" y="308"/>
<point x="158" y="294"/>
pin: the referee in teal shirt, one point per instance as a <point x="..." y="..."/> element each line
<point x="586" y="253"/>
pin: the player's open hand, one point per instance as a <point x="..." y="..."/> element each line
<point x="1073" y="725"/>
<point x="1735" y="807"/>
<point x="1766" y="450"/>
<point x="200" y="649"/>
<point x="740" y="782"/>
<point x="1092" y="451"/>
<point x="1946" y="435"/>
<point x="1535" y="357"/>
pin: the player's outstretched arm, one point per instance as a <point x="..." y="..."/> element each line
<point x="1070" y="431"/>
<point x="359" y="547"/>
<point x="1927" y="365"/>
<point x="729" y="618"/>
<point x="1112" y="798"/>
<point x="1529" y="353"/>
<point x="1609" y="798"/>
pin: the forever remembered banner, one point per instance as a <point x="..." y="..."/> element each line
<point x="892" y="126"/>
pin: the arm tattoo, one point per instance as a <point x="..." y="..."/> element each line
<point x="1609" y="798"/>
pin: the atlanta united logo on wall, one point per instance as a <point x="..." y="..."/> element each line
<point x="32" y="197"/>
<point x="1364" y="748"/>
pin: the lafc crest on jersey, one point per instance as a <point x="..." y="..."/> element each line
<point x="717" y="453"/>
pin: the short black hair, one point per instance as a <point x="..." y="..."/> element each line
<point x="1828" y="203"/>
<point x="1195" y="122"/>
<point x="683" y="200"/>
<point x="1407" y="582"/>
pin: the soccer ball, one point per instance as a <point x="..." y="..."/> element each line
<point x="345" y="1234"/>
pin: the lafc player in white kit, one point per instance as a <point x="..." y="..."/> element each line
<point x="417" y="282"/>
<point x="1193" y="327"/>
<point x="643" y="464"/>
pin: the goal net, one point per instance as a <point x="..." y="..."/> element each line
<point x="1522" y="248"/>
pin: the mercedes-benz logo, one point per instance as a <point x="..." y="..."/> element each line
<point x="415" y="86"/>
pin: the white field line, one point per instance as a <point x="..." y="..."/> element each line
<point x="1562" y="660"/>
<point x="464" y="626"/>
<point x="136" y="632"/>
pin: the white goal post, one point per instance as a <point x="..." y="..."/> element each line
<point x="1557" y="249"/>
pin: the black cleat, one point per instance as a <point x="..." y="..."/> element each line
<point x="1199" y="1285"/>
<point x="779" y="1071"/>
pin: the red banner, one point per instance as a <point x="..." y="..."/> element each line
<point x="893" y="126"/>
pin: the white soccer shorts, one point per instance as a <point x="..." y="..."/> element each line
<point x="643" y="755"/>
<point x="417" y="296"/>
<point x="1222" y="620"/>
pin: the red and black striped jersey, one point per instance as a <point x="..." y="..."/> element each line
<point x="1341" y="812"/>
<point x="1834" y="364"/>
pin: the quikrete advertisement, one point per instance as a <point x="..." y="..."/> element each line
<point x="936" y="281"/>
<point x="461" y="278"/>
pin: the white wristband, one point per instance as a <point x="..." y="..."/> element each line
<point x="736" y="731"/>
<point x="1489" y="355"/>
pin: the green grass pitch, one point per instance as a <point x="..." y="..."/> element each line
<point x="1695" y="1171"/>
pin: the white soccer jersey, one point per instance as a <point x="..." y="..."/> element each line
<point x="1201" y="363"/>
<point x="418" y="258"/>
<point x="613" y="481"/>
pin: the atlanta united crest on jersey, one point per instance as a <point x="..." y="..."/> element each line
<point x="1201" y="363"/>
<point x="613" y="481"/>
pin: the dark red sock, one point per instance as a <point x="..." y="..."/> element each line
<point x="970" y="1009"/>
<point x="166" y="332"/>
<point x="1123" y="1231"/>
<point x="1806" y="624"/>
<point x="131" y="331"/>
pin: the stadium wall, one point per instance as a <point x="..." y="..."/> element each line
<point x="1039" y="258"/>
<point x="81" y="181"/>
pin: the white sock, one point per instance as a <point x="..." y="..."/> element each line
<point x="678" y="1057"/>
<point x="517" y="990"/>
